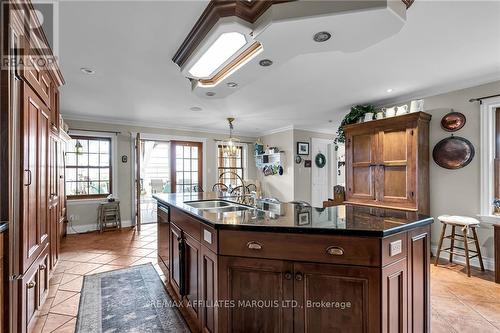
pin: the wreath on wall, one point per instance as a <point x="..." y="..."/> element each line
<point x="320" y="160"/>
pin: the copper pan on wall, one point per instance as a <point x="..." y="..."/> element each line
<point x="453" y="121"/>
<point x="453" y="153"/>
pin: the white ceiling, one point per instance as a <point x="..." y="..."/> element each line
<point x="444" y="45"/>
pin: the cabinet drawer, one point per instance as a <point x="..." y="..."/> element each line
<point x="186" y="223"/>
<point x="364" y="251"/>
<point x="43" y="275"/>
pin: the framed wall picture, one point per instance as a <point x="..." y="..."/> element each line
<point x="304" y="218"/>
<point x="302" y="148"/>
<point x="307" y="163"/>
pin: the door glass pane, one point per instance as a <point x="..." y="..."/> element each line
<point x="187" y="177"/>
<point x="85" y="145"/>
<point x="178" y="165"/>
<point x="104" y="174"/>
<point x="194" y="152"/>
<point x="187" y="165"/>
<point x="104" y="188"/>
<point x="71" y="188"/>
<point x="194" y="165"/>
<point x="187" y="152"/>
<point x="83" y="188"/>
<point x="178" y="152"/>
<point x="179" y="177"/>
<point x="194" y="177"/>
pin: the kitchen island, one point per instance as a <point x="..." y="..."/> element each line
<point x="270" y="267"/>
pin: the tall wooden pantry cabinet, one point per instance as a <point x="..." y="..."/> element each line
<point x="34" y="200"/>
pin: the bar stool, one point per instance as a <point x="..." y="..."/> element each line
<point x="466" y="224"/>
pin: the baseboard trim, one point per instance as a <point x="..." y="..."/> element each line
<point x="83" y="228"/>
<point x="489" y="263"/>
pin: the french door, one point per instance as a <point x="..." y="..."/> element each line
<point x="186" y="166"/>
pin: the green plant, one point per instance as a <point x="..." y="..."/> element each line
<point x="357" y="112"/>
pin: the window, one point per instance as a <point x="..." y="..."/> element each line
<point x="226" y="163"/>
<point x="88" y="167"/>
<point x="490" y="165"/>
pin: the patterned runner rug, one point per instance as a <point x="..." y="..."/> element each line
<point x="132" y="299"/>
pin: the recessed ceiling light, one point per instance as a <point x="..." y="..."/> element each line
<point x="232" y="84"/>
<point x="87" y="71"/>
<point x="330" y="121"/>
<point x="389" y="90"/>
<point x="265" y="62"/>
<point x="322" y="36"/>
<point x="210" y="93"/>
<point x="195" y="108"/>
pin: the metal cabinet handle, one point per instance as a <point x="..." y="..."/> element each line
<point x="288" y="275"/>
<point x="252" y="245"/>
<point x="299" y="276"/>
<point x="31" y="285"/>
<point x="335" y="251"/>
<point x="43" y="267"/>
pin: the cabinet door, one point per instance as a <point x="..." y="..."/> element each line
<point x="43" y="278"/>
<point x="397" y="181"/>
<point x="192" y="290"/>
<point x="30" y="298"/>
<point x="261" y="290"/>
<point x="34" y="71"/>
<point x="62" y="188"/>
<point x="176" y="259"/>
<point x="208" y="282"/>
<point x="361" y="153"/>
<point x="347" y="293"/>
<point x="35" y="128"/>
<point x="163" y="236"/>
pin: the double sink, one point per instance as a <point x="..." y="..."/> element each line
<point x="218" y="206"/>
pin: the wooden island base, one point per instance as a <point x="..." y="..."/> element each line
<point x="233" y="280"/>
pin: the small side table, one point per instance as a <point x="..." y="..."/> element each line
<point x="497" y="253"/>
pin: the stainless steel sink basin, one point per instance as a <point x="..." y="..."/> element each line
<point x="217" y="206"/>
<point x="236" y="208"/>
<point x="208" y="204"/>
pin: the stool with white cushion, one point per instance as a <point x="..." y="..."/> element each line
<point x="465" y="224"/>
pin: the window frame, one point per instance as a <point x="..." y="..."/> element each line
<point x="487" y="156"/>
<point x="110" y="167"/>
<point x="219" y="148"/>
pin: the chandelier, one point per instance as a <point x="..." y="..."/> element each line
<point x="230" y="145"/>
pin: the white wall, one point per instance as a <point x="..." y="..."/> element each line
<point x="276" y="186"/>
<point x="86" y="211"/>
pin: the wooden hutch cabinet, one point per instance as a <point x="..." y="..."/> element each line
<point x="387" y="162"/>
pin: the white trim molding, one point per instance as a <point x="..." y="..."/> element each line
<point x="487" y="155"/>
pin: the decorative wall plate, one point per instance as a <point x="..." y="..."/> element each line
<point x="320" y="160"/>
<point x="453" y="121"/>
<point x="298" y="159"/>
<point x="453" y="153"/>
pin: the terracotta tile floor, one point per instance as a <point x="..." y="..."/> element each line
<point x="459" y="304"/>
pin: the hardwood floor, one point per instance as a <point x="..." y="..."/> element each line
<point x="459" y="303"/>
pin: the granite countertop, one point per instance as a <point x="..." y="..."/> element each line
<point x="287" y="217"/>
<point x="4" y="227"/>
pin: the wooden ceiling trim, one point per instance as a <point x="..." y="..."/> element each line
<point x="248" y="11"/>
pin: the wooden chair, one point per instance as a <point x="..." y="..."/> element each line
<point x="219" y="187"/>
<point x="197" y="188"/>
<point x="238" y="190"/>
<point x="466" y="224"/>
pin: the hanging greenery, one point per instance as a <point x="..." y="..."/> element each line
<point x="357" y="112"/>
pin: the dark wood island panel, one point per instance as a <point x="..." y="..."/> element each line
<point x="237" y="280"/>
